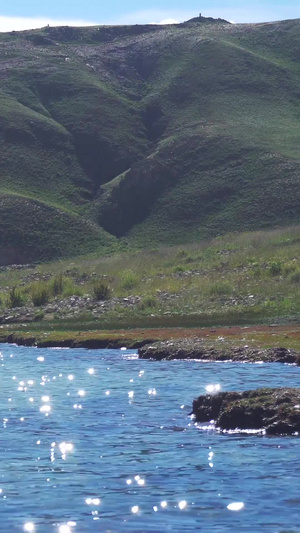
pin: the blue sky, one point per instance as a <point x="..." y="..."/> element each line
<point x="22" y="14"/>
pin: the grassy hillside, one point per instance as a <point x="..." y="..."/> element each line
<point x="245" y="278"/>
<point x="29" y="228"/>
<point x="146" y="134"/>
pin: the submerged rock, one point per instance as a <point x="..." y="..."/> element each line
<point x="198" y="349"/>
<point x="275" y="410"/>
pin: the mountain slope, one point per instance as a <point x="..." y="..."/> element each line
<point x="156" y="134"/>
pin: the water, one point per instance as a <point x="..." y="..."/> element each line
<point x="113" y="449"/>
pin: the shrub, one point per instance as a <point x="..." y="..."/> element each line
<point x="129" y="280"/>
<point x="257" y="271"/>
<point x="15" y="298"/>
<point x="290" y="267"/>
<point x="38" y="316"/>
<point x="101" y="291"/>
<point x="56" y="285"/>
<point x="220" y="288"/>
<point x="39" y="293"/>
<point x="149" y="302"/>
<point x="181" y="254"/>
<point x="178" y="269"/>
<point x="71" y="289"/>
<point x="275" y="268"/>
<point x="190" y="259"/>
<point x="294" y="277"/>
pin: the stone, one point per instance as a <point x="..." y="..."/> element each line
<point x="277" y="411"/>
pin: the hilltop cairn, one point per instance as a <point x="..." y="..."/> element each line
<point x="206" y="20"/>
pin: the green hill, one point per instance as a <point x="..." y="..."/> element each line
<point x="146" y="135"/>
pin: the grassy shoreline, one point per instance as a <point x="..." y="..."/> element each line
<point x="260" y="336"/>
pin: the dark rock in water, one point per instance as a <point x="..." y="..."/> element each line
<point x="275" y="410"/>
<point x="192" y="348"/>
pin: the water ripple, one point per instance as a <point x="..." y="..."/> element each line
<point x="101" y="439"/>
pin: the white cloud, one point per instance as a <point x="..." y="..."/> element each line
<point x="147" y="16"/>
<point x="166" y="21"/>
<point x="29" y="23"/>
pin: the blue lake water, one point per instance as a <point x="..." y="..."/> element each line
<point x="97" y="440"/>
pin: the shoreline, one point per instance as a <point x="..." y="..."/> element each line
<point x="195" y="349"/>
<point x="238" y="343"/>
<point x="90" y="343"/>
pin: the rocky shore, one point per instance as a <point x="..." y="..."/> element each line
<point x="192" y="348"/>
<point x="277" y="411"/>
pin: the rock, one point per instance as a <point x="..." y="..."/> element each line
<point x="277" y="411"/>
<point x="193" y="348"/>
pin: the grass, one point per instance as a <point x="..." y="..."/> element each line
<point x="247" y="278"/>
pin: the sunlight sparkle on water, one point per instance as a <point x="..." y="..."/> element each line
<point x="45" y="409"/>
<point x="70" y="377"/>
<point x="135" y="509"/>
<point x="213" y="389"/>
<point x="93" y="501"/>
<point x="81" y="393"/>
<point x="64" y="528"/>
<point x="91" y="371"/>
<point x="29" y="527"/>
<point x="45" y="399"/>
<point x="236" y="506"/>
<point x="64" y="448"/>
<point x="182" y="505"/>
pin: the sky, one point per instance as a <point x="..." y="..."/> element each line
<point x="27" y="14"/>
